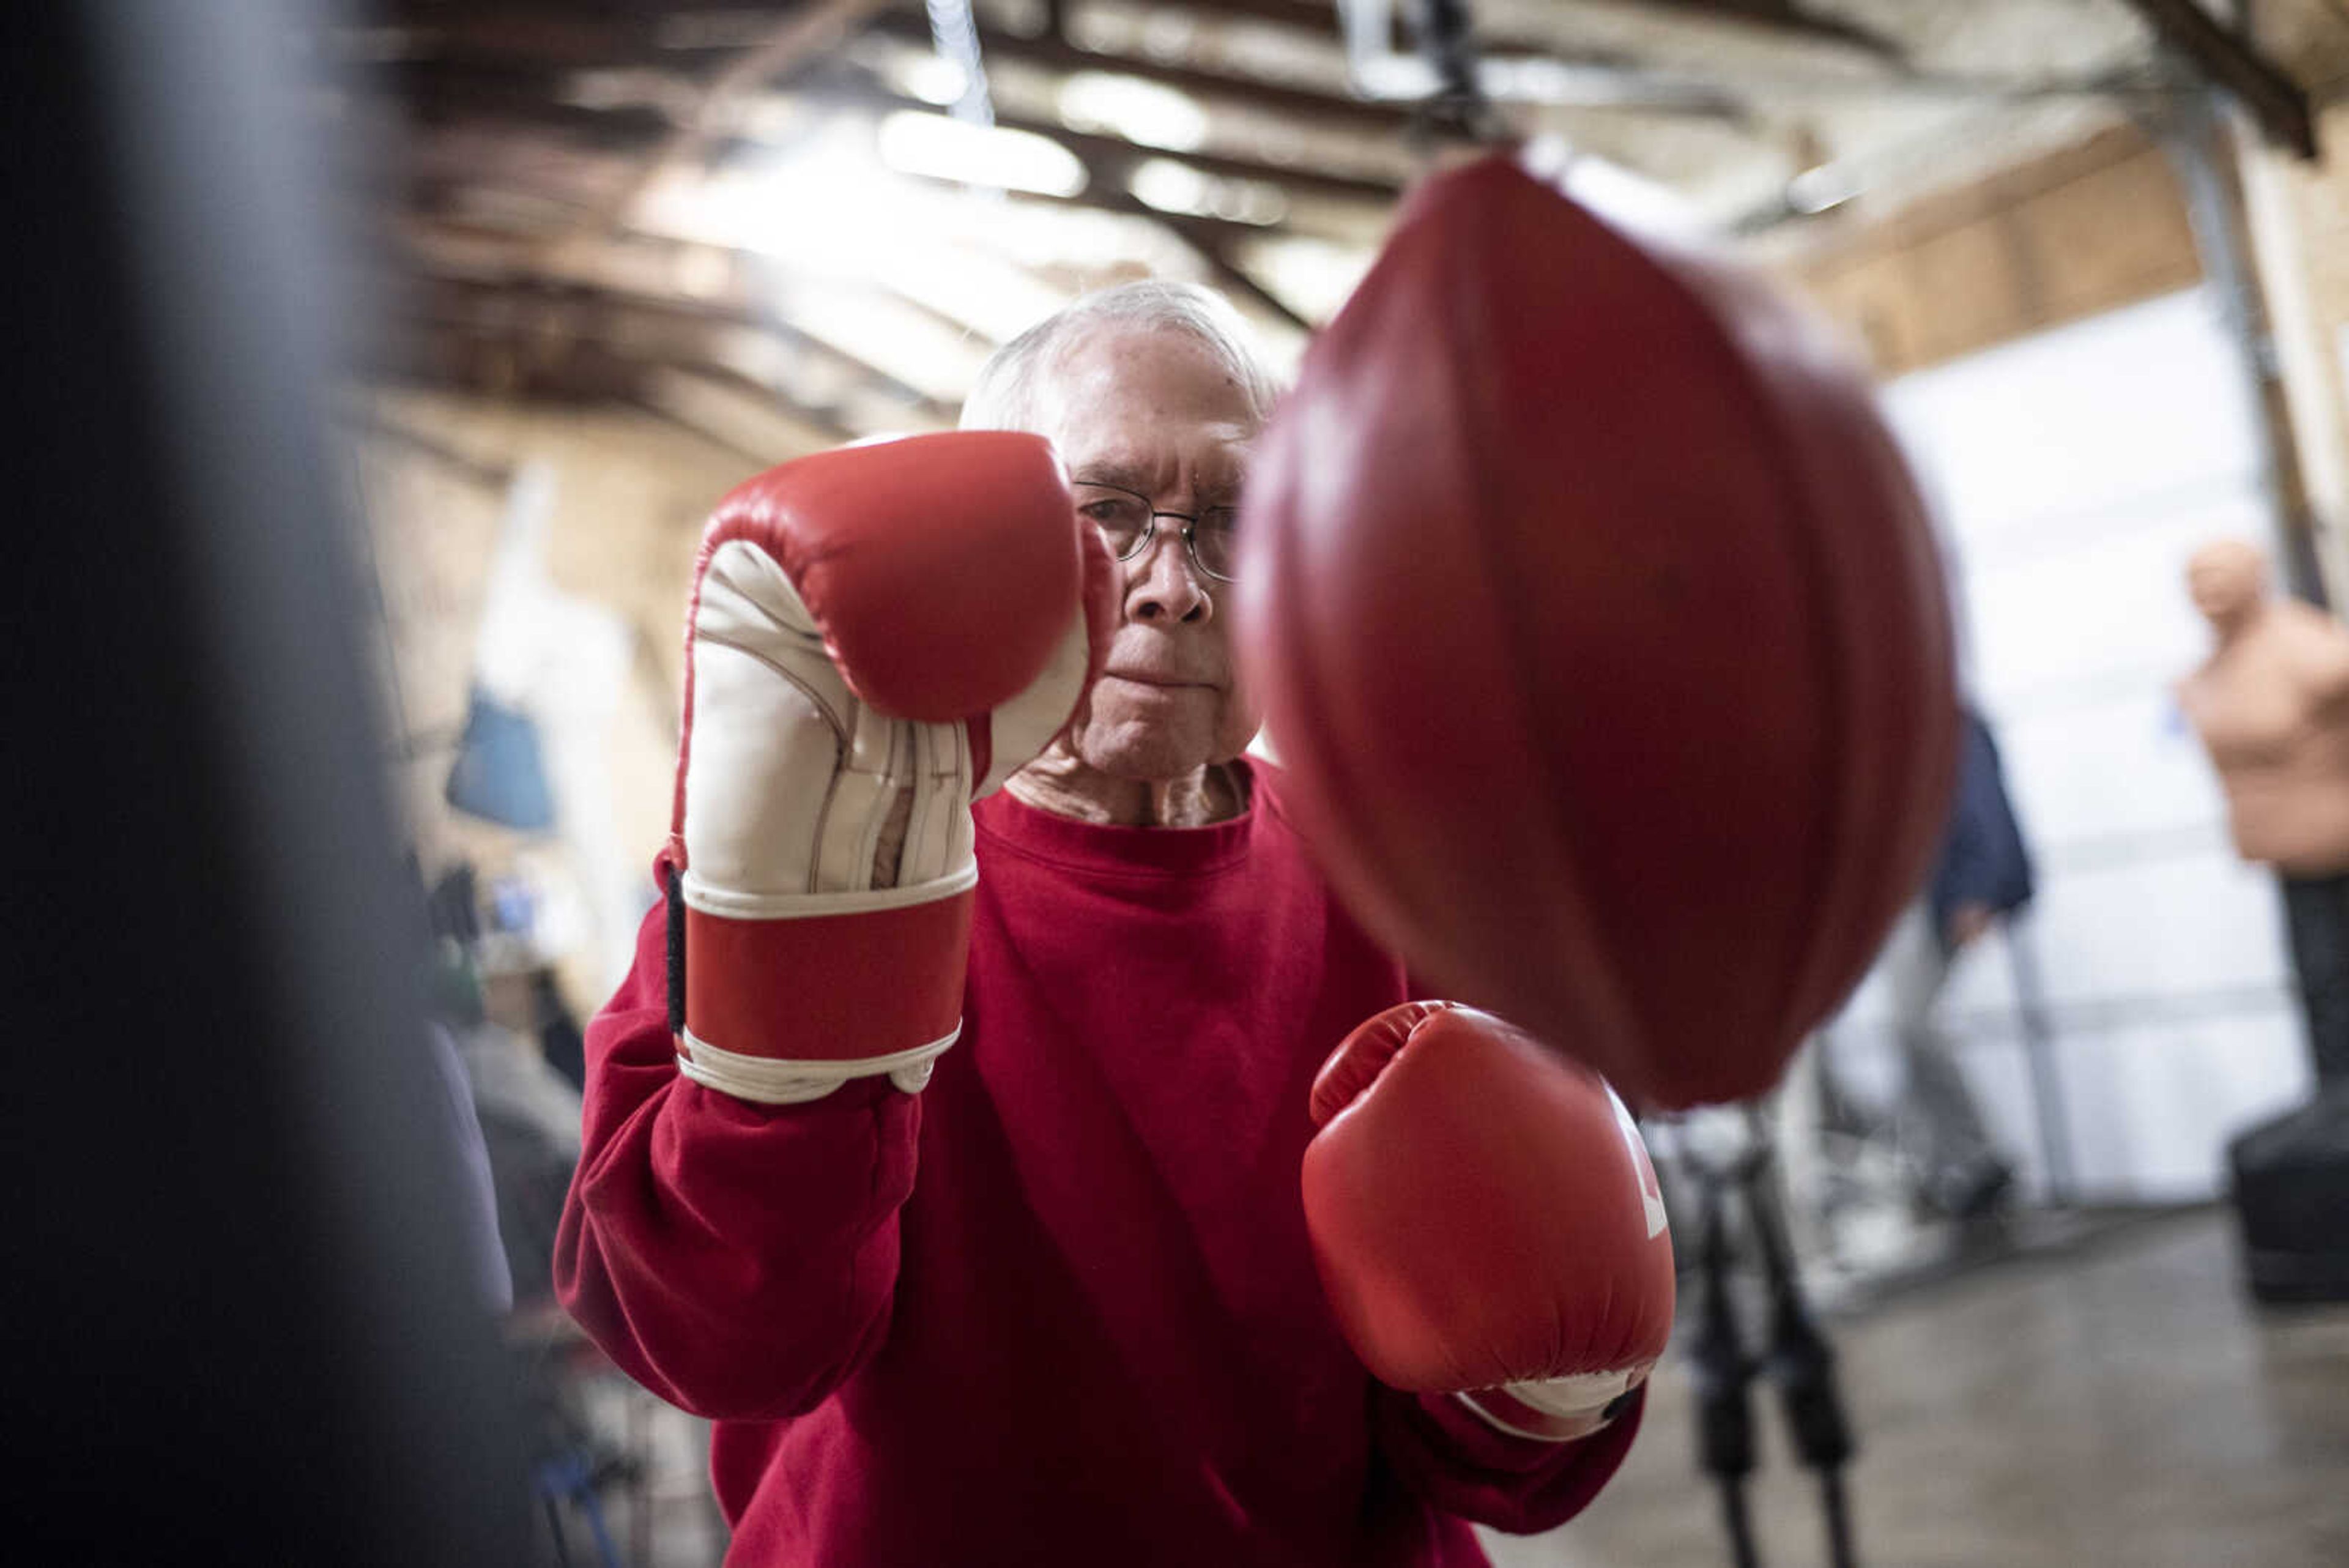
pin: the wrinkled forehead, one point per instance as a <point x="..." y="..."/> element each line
<point x="1140" y="397"/>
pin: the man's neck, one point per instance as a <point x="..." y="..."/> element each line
<point x="1058" y="783"/>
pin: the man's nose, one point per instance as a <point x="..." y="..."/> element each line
<point x="1164" y="584"/>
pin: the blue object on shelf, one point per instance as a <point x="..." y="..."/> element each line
<point x="500" y="773"/>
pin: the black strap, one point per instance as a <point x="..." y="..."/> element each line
<point x="676" y="951"/>
<point x="1458" y="109"/>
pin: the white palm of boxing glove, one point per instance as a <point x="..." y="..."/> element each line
<point x="879" y="637"/>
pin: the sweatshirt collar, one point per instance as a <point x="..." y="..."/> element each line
<point x="1010" y="823"/>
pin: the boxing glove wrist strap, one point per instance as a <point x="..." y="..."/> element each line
<point x="785" y="1009"/>
<point x="773" y="1081"/>
<point x="1554" y="1409"/>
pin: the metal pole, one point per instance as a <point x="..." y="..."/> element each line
<point x="2195" y="141"/>
<point x="2039" y="1050"/>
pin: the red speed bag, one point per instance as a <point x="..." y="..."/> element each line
<point x="1600" y="625"/>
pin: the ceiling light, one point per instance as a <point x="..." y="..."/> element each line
<point x="1141" y="111"/>
<point x="1169" y="186"/>
<point x="941" y="149"/>
<point x="1172" y="187"/>
<point x="1820" y="188"/>
<point x="933" y="78"/>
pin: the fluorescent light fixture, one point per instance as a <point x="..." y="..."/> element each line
<point x="1141" y="111"/>
<point x="932" y="145"/>
<point x="1169" y="186"/>
<point x="933" y="78"/>
<point x="1820" y="188"/>
<point x="1172" y="187"/>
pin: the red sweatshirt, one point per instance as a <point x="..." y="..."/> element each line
<point x="1060" y="1307"/>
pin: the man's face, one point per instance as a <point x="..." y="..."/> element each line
<point x="2226" y="580"/>
<point x="1154" y="413"/>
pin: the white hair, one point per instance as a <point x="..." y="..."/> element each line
<point x="1006" y="396"/>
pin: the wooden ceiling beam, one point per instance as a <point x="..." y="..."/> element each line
<point x="811" y="31"/>
<point x="1218" y="255"/>
<point x="1103" y="192"/>
<point x="1118" y="151"/>
<point x="557" y="34"/>
<point x="2232" y="63"/>
<point x="520" y="306"/>
<point x="455" y="107"/>
<point x="445" y="92"/>
<point x="1325" y="110"/>
<point x="1212" y="238"/>
<point x="1762" y="15"/>
<point x="743" y="415"/>
<point x="548" y="40"/>
<point x="1782" y="16"/>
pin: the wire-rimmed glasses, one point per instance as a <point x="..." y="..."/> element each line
<point x="1128" y="521"/>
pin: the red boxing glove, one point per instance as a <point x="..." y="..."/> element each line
<point x="878" y="636"/>
<point x="1486" y="1221"/>
<point x="1600" y="626"/>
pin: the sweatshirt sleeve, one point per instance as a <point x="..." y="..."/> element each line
<point x="1461" y="1465"/>
<point x="737" y="1260"/>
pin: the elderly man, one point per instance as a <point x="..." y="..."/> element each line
<point x="1050" y="1296"/>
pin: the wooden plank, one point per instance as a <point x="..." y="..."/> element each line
<point x="2085" y="232"/>
<point x="1969" y="291"/>
<point x="2108" y="239"/>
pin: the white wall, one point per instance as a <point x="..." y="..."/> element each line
<point x="2075" y="472"/>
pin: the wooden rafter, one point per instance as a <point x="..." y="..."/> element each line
<point x="1327" y="110"/>
<point x="2230" y="62"/>
<point x="1104" y="192"/>
<point x="699" y="396"/>
<point x="459" y="98"/>
<point x="1781" y="17"/>
<point x="611" y="315"/>
<point x="1214" y="239"/>
<point x="578" y="37"/>
<point x="1110" y="158"/>
<point x="1769" y="16"/>
<point x="804" y="34"/>
<point x="1217" y="253"/>
<point x="1312" y="106"/>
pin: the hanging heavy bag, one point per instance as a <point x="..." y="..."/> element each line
<point x="2291" y="1191"/>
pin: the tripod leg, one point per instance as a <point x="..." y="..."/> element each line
<point x="1799" y="1360"/>
<point x="1723" y="1373"/>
